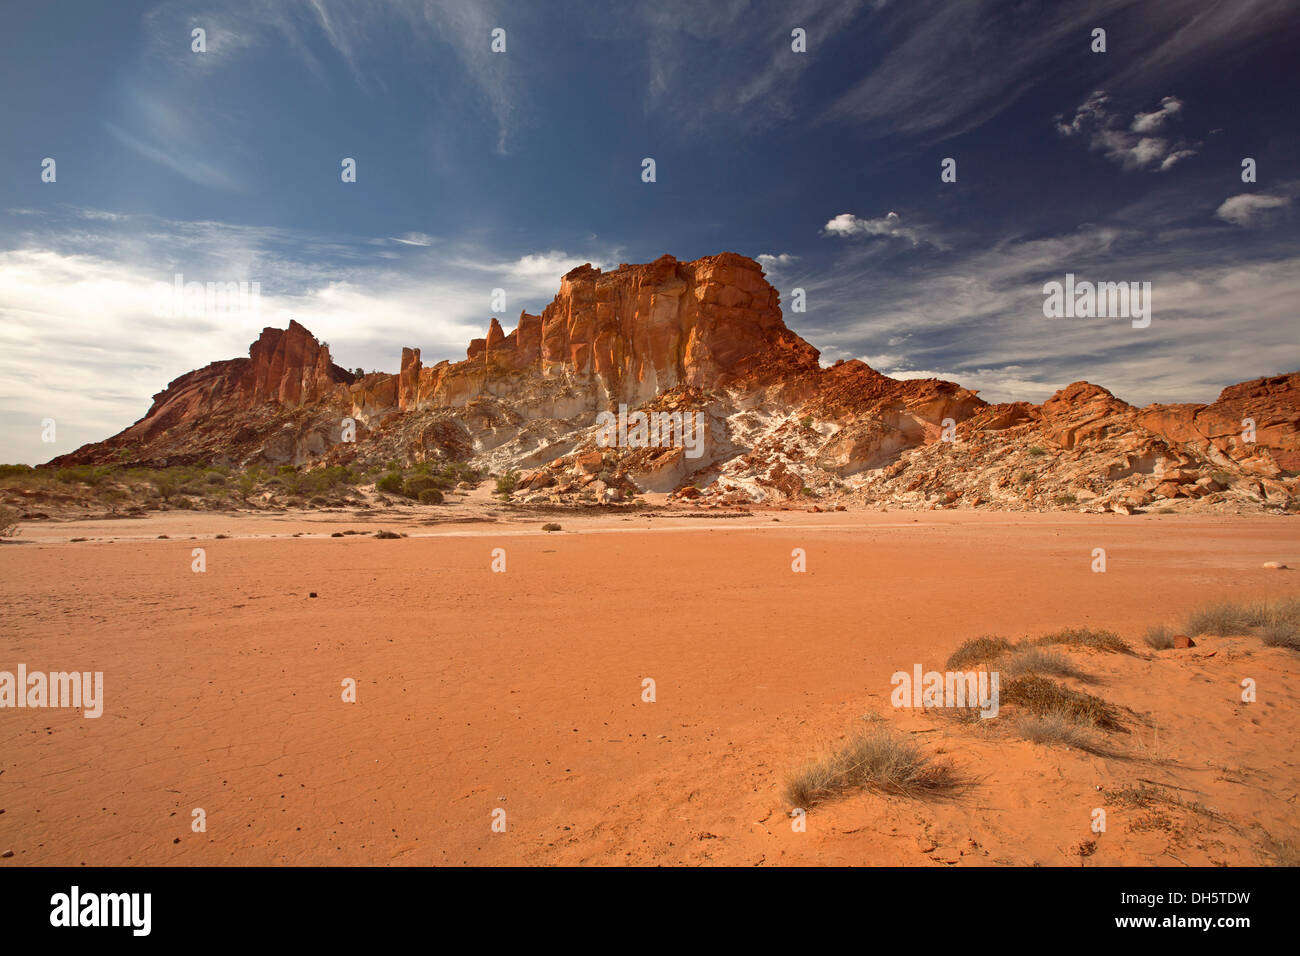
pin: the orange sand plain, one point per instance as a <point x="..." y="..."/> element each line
<point x="522" y="690"/>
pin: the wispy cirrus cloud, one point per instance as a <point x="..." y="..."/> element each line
<point x="993" y="53"/>
<point x="975" y="316"/>
<point x="751" y="79"/>
<point x="364" y="36"/>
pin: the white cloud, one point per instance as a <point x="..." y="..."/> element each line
<point x="774" y="264"/>
<point x="848" y="226"/>
<point x="1250" y="209"/>
<point x="1136" y="147"/>
<point x="1151" y="122"/>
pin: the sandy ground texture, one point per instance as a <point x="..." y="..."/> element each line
<point x="481" y="691"/>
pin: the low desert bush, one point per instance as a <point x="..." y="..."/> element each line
<point x="550" y="526"/>
<point x="506" y="483"/>
<point x="430" y="496"/>
<point x="876" y="759"/>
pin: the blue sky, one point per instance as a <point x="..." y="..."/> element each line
<point x="479" y="170"/>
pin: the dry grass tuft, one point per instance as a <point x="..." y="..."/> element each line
<point x="875" y="759"/>
<point x="1277" y="622"/>
<point x="1042" y="697"/>
<point x="1055" y="727"/>
<point x="978" y="650"/>
<point x="1281" y="634"/>
<point x="1158" y="638"/>
<point x="1026" y="660"/>
<point x="1107" y="641"/>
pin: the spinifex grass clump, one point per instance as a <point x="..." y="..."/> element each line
<point x="877" y="759"/>
<point x="1037" y="660"/>
<point x="1055" y="728"/>
<point x="1158" y="638"/>
<point x="1275" y="620"/>
<point x="1107" y="641"/>
<point x="978" y="650"/>
<point x="1041" y="697"/>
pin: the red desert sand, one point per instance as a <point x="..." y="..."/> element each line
<point x="522" y="691"/>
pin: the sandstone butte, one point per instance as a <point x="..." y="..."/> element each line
<point x="708" y="336"/>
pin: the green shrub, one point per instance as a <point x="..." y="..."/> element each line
<point x="328" y="478"/>
<point x="391" y="483"/>
<point x="412" y="487"/>
<point x="430" y="496"/>
<point x="85" y="474"/>
<point x="1037" y="451"/>
<point x="506" y="483"/>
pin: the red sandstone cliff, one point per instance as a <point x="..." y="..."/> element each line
<point x="687" y="335"/>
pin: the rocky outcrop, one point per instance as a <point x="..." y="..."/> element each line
<point x="1271" y="406"/>
<point x="705" y="341"/>
<point x="288" y="367"/>
<point x="642" y="330"/>
<point x="238" y="408"/>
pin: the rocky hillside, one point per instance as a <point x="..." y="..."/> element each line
<point x="706" y="338"/>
